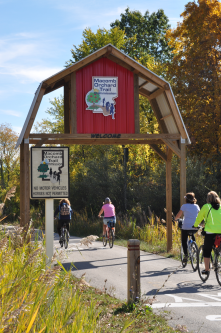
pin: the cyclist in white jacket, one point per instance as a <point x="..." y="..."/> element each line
<point x="190" y="211"/>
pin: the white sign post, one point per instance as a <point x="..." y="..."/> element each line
<point x="49" y="181"/>
<point x="49" y="229"/>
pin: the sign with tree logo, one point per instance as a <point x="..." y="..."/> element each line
<point x="101" y="99"/>
<point x="49" y="172"/>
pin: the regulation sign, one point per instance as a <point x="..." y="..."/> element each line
<point x="49" y="172"/>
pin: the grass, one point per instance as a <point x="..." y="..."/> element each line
<point x="117" y="316"/>
<point x="35" y="299"/>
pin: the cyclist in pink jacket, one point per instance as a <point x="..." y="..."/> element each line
<point x="109" y="213"/>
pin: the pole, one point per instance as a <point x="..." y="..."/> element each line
<point x="49" y="229"/>
<point x="133" y="270"/>
<point x="182" y="171"/>
<point x="125" y="181"/>
<point x="169" y="198"/>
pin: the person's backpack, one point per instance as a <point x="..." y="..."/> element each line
<point x="65" y="211"/>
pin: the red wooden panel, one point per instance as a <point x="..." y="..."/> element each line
<point x="89" y="122"/>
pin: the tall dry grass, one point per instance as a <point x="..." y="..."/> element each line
<point x="36" y="299"/>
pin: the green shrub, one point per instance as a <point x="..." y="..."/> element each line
<point x="36" y="299"/>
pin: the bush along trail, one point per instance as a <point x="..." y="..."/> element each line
<point x="36" y="299"/>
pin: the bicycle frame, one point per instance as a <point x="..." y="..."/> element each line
<point x="109" y="234"/>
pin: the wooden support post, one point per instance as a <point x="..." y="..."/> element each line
<point x="24" y="184"/>
<point x="136" y="104"/>
<point x="169" y="198"/>
<point x="182" y="171"/>
<point x="67" y="107"/>
<point x="133" y="270"/>
<point x="73" y="108"/>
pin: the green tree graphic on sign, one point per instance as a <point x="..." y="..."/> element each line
<point x="43" y="167"/>
<point x="93" y="97"/>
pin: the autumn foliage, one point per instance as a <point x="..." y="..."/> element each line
<point x="195" y="73"/>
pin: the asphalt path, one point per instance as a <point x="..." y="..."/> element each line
<point x="183" y="298"/>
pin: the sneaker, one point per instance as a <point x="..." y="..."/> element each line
<point x="204" y="272"/>
<point x="185" y="259"/>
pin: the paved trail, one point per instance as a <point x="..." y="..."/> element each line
<point x="189" y="302"/>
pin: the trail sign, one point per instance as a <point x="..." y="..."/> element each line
<point x="49" y="172"/>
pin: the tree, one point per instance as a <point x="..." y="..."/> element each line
<point x="94" y="41"/>
<point x="93" y="97"/>
<point x="196" y="74"/>
<point x="43" y="167"/>
<point x="56" y="122"/>
<point x="9" y="157"/>
<point x="9" y="169"/>
<point x="150" y="33"/>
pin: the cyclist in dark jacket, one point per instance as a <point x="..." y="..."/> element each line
<point x="65" y="211"/>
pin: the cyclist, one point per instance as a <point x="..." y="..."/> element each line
<point x="65" y="211"/>
<point x="190" y="211"/>
<point x="109" y="213"/>
<point x="211" y="214"/>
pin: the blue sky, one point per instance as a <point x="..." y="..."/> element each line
<point x="36" y="37"/>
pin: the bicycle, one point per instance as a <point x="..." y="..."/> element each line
<point x="109" y="229"/>
<point x="192" y="250"/>
<point x="215" y="260"/>
<point x="64" y="238"/>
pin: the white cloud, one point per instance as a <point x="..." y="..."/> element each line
<point x="93" y="15"/>
<point x="23" y="55"/>
<point x="34" y="74"/>
<point x="11" y="113"/>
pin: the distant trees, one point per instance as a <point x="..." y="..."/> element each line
<point x="9" y="157"/>
<point x="9" y="167"/>
<point x="149" y="31"/>
<point x="196" y="75"/>
<point x="94" y="41"/>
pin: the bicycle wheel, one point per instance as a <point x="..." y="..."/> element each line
<point x="201" y="265"/>
<point x="193" y="256"/>
<point x="218" y="265"/>
<point x="65" y="239"/>
<point x="111" y="238"/>
<point x="105" y="239"/>
<point x="61" y="237"/>
<point x="182" y="257"/>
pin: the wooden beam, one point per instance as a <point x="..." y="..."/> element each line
<point x="100" y="136"/>
<point x="24" y="184"/>
<point x="98" y="142"/>
<point x="182" y="173"/>
<point x="155" y="94"/>
<point x="119" y="62"/>
<point x="57" y="85"/>
<point x="40" y="142"/>
<point x="151" y="81"/>
<point x="154" y="78"/>
<point x="158" y="115"/>
<point x="143" y="84"/>
<point x="169" y="198"/>
<point x="136" y="104"/>
<point x="76" y="66"/>
<point x="34" y="112"/>
<point x="172" y="146"/>
<point x="159" y="151"/>
<point x="109" y="50"/>
<point x="73" y="105"/>
<point x="176" y="114"/>
<point x="168" y="115"/>
<point x="67" y="107"/>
